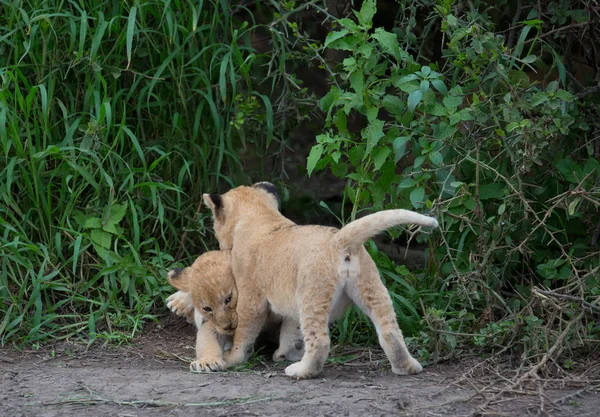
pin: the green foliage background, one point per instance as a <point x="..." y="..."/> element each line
<point x="116" y="116"/>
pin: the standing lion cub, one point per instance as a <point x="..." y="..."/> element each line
<point x="309" y="275"/>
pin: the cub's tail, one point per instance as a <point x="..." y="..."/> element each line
<point x="359" y="231"/>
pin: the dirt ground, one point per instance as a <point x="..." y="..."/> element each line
<point x="150" y="377"/>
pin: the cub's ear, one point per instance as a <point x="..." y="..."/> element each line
<point x="214" y="202"/>
<point x="271" y="192"/>
<point x="178" y="279"/>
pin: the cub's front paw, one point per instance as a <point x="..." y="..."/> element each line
<point x="180" y="303"/>
<point x="411" y="366"/>
<point x="208" y="365"/>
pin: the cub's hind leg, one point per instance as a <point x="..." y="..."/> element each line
<point x="370" y="295"/>
<point x="314" y="303"/>
<point x="291" y="343"/>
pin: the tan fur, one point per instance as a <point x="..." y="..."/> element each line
<point x="307" y="274"/>
<point x="207" y="285"/>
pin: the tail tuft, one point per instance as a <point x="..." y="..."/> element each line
<point x="359" y="231"/>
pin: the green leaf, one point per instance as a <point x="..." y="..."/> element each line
<point x="366" y="13"/>
<point x="436" y="109"/>
<point x="521" y="41"/>
<point x="416" y="197"/>
<point x="414" y="99"/>
<point x="373" y="133"/>
<point x="111" y="228"/>
<point x="564" y="95"/>
<point x="357" y="82"/>
<point x="573" y="206"/>
<point x="570" y="170"/>
<point x="409" y="87"/>
<point x="406" y="79"/>
<point x="100" y="238"/>
<point x="470" y="203"/>
<point x="329" y="99"/>
<point x="580" y="15"/>
<point x="315" y="155"/>
<point x="117" y="212"/>
<point x="452" y="102"/>
<point x="130" y="29"/>
<point x="407" y="183"/>
<point x="460" y="116"/>
<point x="491" y="190"/>
<point x="379" y="157"/>
<point x="393" y="104"/>
<point x="440" y="86"/>
<point x="93" y="223"/>
<point x="591" y="165"/>
<point x="388" y="42"/>
<point x="529" y="59"/>
<point x="419" y="161"/>
<point x="443" y="131"/>
<point x="436" y="158"/>
<point x="334" y="36"/>
<point x="399" y="146"/>
<point x="562" y="72"/>
<point x="539" y="98"/>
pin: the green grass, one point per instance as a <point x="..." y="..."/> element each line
<point x="114" y="118"/>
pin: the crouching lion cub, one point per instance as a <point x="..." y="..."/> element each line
<point x="208" y="297"/>
<point x="307" y="274"/>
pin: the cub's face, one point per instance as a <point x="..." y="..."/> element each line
<point x="228" y="208"/>
<point x="212" y="286"/>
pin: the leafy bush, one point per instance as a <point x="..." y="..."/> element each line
<point x="506" y="163"/>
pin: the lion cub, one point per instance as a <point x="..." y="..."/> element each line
<point x="307" y="274"/>
<point x="207" y="296"/>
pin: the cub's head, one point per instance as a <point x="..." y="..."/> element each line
<point x="211" y="284"/>
<point x="228" y="208"/>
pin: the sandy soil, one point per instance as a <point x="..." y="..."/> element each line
<point x="151" y="378"/>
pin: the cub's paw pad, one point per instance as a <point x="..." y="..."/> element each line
<point x="410" y="367"/>
<point x="208" y="365"/>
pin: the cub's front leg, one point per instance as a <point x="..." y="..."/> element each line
<point x="252" y="315"/>
<point x="209" y="349"/>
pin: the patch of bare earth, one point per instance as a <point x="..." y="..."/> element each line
<point x="151" y="378"/>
